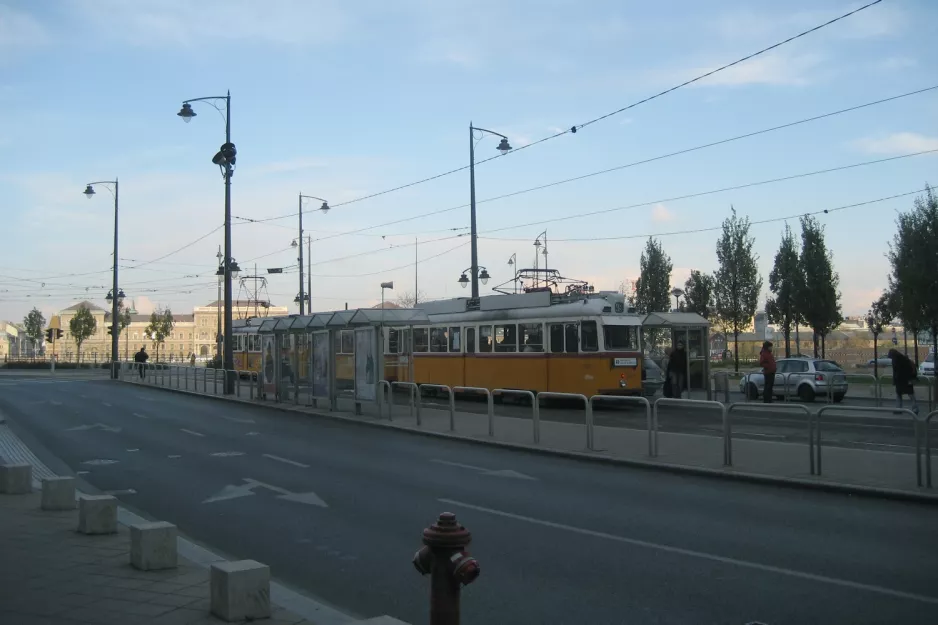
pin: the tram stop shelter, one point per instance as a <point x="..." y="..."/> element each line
<point x="311" y="355"/>
<point x="665" y="329"/>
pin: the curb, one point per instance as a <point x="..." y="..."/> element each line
<point x="730" y="474"/>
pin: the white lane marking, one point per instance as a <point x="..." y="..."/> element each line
<point x="124" y="491"/>
<point x="227" y="454"/>
<point x="286" y="460"/>
<point x="133" y="450"/>
<point x="768" y="568"/>
<point x="491" y="472"/>
<point x="82" y="472"/>
<point x="251" y="434"/>
<point x="140" y="416"/>
<point x="191" y="432"/>
<point x="55" y="403"/>
<point x="174" y="456"/>
<point x="106" y="404"/>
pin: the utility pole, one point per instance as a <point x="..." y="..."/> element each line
<point x="299" y="247"/>
<point x="416" y="290"/>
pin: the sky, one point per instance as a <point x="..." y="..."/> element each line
<point x="342" y="100"/>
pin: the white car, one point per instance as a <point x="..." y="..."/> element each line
<point x="926" y="368"/>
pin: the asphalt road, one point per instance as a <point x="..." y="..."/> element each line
<point x="559" y="541"/>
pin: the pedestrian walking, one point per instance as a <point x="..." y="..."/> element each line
<point x="677" y="370"/>
<point x="903" y="376"/>
<point x="769" y="367"/>
<point x="141" y="358"/>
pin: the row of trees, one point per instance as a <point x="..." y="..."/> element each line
<point x="803" y="283"/>
<point x="83" y="325"/>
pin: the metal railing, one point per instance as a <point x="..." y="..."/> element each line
<point x="784" y="406"/>
<point x="535" y="409"/>
<point x="673" y="401"/>
<point x="490" y="403"/>
<point x="383" y="398"/>
<point x="879" y="410"/>
<point x="926" y="424"/>
<point x="587" y="407"/>
<point x="452" y="401"/>
<point x="652" y="452"/>
<point x="873" y="383"/>
<point x="414" y="399"/>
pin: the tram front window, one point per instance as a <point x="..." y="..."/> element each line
<point x="620" y="338"/>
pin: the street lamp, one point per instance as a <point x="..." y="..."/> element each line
<point x="325" y="209"/>
<point x="483" y="277"/>
<point x="226" y="159"/>
<point x="503" y="147"/>
<point x="512" y="261"/>
<point x="677" y="293"/>
<point x="114" y="301"/>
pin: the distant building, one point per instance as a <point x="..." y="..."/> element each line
<point x="193" y="333"/>
<point x="10" y="338"/>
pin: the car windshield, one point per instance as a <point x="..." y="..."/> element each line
<point x="826" y="365"/>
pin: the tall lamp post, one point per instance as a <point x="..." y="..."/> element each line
<point x="503" y="147"/>
<point x="116" y="293"/>
<point x="677" y="293"/>
<point x="512" y="262"/>
<point x="226" y="159"/>
<point x="325" y="209"/>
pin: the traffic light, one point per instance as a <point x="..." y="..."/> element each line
<point x="58" y="333"/>
<point x="49" y="335"/>
<point x="110" y="330"/>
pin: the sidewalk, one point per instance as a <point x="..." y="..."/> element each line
<point x="770" y="460"/>
<point x="52" y="575"/>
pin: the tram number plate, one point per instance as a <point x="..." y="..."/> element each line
<point x="625" y="362"/>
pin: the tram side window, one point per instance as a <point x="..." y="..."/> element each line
<point x="393" y="341"/>
<point x="506" y="338"/>
<point x="348" y="342"/>
<point x="532" y="337"/>
<point x="455" y="334"/>
<point x="485" y="339"/>
<point x="620" y="337"/>
<point x="589" y="336"/>
<point x="421" y="340"/>
<point x="470" y="340"/>
<point x="556" y="338"/>
<point x="573" y="338"/>
<point x="437" y="339"/>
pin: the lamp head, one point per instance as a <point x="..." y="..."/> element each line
<point x="186" y="112"/>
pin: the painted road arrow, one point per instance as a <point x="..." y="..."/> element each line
<point x="233" y="491"/>
<point x="509" y="473"/>
<point x="100" y="426"/>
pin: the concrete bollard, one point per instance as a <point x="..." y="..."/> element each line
<point x="58" y="493"/>
<point x="16" y="479"/>
<point x="240" y="590"/>
<point x="153" y="546"/>
<point x="97" y="514"/>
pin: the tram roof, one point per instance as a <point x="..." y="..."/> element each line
<point x="389" y="317"/>
<point x="675" y="319"/>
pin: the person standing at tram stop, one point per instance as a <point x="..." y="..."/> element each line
<point x="903" y="375"/>
<point x="767" y="362"/>
<point x="677" y="370"/>
<point x="141" y="358"/>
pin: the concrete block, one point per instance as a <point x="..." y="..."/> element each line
<point x="97" y="514"/>
<point x="240" y="590"/>
<point x="16" y="479"/>
<point x="153" y="546"/>
<point x="58" y="493"/>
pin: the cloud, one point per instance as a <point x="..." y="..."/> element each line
<point x="875" y="22"/>
<point x="895" y="63"/>
<point x="661" y="214"/>
<point x="897" y="143"/>
<point x="20" y="30"/>
<point x="772" y="69"/>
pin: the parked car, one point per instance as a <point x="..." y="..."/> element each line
<point x="926" y="368"/>
<point x="807" y="379"/>
<point x="881" y="361"/>
<point x="652" y="377"/>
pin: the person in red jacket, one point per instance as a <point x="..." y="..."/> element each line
<point x="767" y="362"/>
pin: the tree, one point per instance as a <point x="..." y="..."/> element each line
<point x="904" y="308"/>
<point x="34" y="323"/>
<point x="698" y="294"/>
<point x="914" y="256"/>
<point x="161" y="325"/>
<point x="877" y="318"/>
<point x="407" y="299"/>
<point x="653" y="290"/>
<point x="819" y="300"/>
<point x="82" y="326"/>
<point x="787" y="283"/>
<point x="737" y="281"/>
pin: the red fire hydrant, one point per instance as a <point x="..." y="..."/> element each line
<point x="450" y="566"/>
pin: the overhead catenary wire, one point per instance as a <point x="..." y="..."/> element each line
<point x="634" y="163"/>
<point x="823" y="211"/>
<point x="573" y="129"/>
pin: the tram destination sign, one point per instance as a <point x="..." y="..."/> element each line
<point x="625" y="362"/>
